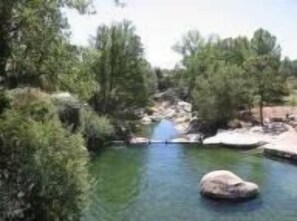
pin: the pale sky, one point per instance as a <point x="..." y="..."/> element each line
<point x="161" y="23"/>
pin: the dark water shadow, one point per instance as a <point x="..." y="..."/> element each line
<point x="228" y="207"/>
<point x="280" y="159"/>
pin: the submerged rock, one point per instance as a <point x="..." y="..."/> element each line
<point x="223" y="184"/>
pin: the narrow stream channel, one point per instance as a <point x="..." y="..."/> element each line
<point x="160" y="183"/>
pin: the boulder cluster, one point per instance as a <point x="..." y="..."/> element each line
<point x="180" y="113"/>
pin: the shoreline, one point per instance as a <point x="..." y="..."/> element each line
<point x="275" y="139"/>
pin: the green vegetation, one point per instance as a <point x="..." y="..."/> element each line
<point x="96" y="130"/>
<point x="45" y="133"/>
<point x="120" y="69"/>
<point x="34" y="45"/>
<point x="226" y="75"/>
<point x="44" y="171"/>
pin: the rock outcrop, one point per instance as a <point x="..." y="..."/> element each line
<point x="226" y="185"/>
<point x="139" y="140"/>
<point x="235" y="139"/>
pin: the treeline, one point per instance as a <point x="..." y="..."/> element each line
<point x="44" y="133"/>
<point x="223" y="76"/>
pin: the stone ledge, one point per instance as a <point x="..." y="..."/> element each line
<point x="281" y="153"/>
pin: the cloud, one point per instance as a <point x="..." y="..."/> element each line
<point x="161" y="23"/>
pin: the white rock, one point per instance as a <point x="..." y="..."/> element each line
<point x="185" y="106"/>
<point x="223" y="184"/>
<point x="234" y="139"/>
<point x="180" y="140"/>
<point x="182" y="127"/>
<point x="169" y="113"/>
<point x="139" y="140"/>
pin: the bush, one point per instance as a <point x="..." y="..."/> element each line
<point x="44" y="174"/>
<point x="96" y="129"/>
<point x="69" y="110"/>
<point x="33" y="103"/>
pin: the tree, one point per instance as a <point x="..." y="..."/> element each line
<point x="287" y="67"/>
<point x="234" y="50"/>
<point x="253" y="67"/>
<point x="219" y="94"/>
<point x="294" y="66"/>
<point x="77" y="76"/>
<point x="191" y="47"/>
<point x="32" y="34"/>
<point x="263" y="66"/>
<point x="120" y="69"/>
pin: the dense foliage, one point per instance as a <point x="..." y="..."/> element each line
<point x="34" y="41"/>
<point x="225" y="75"/>
<point x="44" y="174"/>
<point x="120" y="69"/>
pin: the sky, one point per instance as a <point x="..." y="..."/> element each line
<point x="162" y="23"/>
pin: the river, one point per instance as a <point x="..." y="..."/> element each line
<point x="160" y="183"/>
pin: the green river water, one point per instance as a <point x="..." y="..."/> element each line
<point x="160" y="183"/>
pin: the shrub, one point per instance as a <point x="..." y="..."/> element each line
<point x="96" y="128"/>
<point x="44" y="174"/>
<point x="69" y="110"/>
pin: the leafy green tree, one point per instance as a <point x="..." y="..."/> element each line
<point x="32" y="36"/>
<point x="191" y="48"/>
<point x="165" y="79"/>
<point x="234" y="50"/>
<point x="77" y="76"/>
<point x="218" y="94"/>
<point x="294" y="66"/>
<point x="287" y="67"/>
<point x="250" y="69"/>
<point x="263" y="66"/>
<point x="120" y="69"/>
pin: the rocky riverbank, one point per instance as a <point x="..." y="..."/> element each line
<point x="277" y="139"/>
<point x="180" y="113"/>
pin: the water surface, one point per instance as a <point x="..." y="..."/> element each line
<point x="160" y="183"/>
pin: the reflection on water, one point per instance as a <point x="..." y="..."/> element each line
<point x="160" y="182"/>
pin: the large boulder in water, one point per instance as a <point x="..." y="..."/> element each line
<point x="226" y="185"/>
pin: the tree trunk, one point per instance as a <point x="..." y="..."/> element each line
<point x="261" y="111"/>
